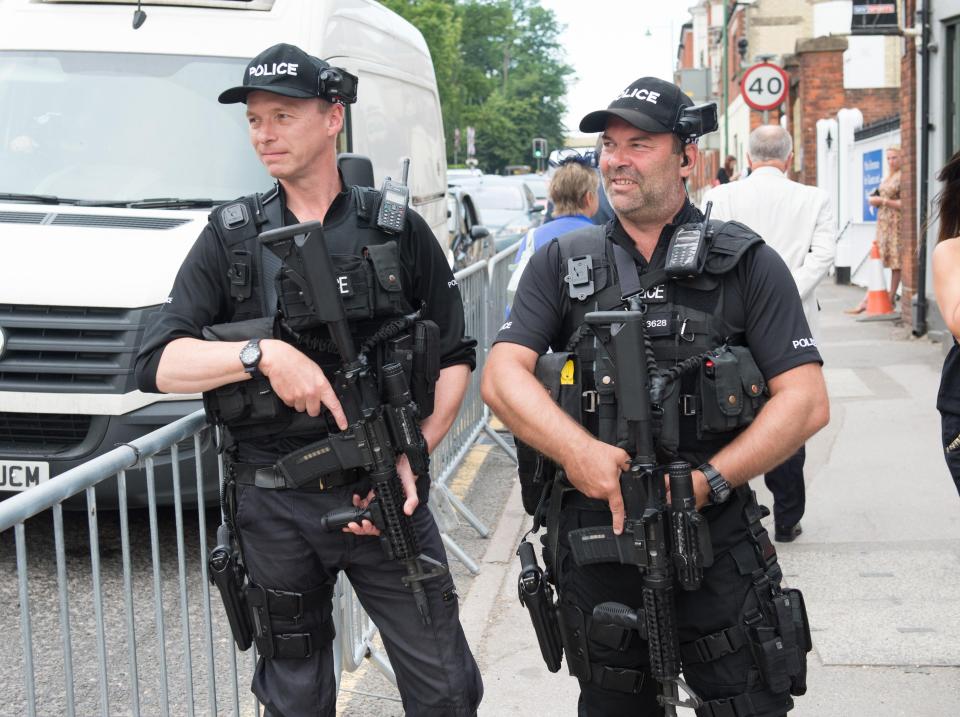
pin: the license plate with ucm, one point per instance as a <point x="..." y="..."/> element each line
<point x="20" y="475"/>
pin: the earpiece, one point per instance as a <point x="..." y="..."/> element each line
<point x="686" y="160"/>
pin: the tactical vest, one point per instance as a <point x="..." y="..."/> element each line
<point x="684" y="319"/>
<point x="367" y="266"/>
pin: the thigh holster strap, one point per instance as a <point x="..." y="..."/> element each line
<point x="268" y="605"/>
<point x="619" y="679"/>
<point x="713" y="647"/>
<point x="749" y="704"/>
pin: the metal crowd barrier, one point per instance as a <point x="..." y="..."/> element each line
<point x="90" y="639"/>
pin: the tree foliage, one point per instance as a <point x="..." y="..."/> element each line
<point x="500" y="69"/>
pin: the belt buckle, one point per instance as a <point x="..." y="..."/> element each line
<point x="591" y="401"/>
<point x="688" y="404"/>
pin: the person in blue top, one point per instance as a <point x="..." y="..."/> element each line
<point x="573" y="192"/>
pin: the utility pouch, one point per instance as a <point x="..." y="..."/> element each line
<point x="384" y="267"/>
<point x="771" y="656"/>
<point x="559" y="373"/>
<point x="426" y="365"/>
<point x="795" y="629"/>
<point x="261" y="328"/>
<point x="732" y="391"/>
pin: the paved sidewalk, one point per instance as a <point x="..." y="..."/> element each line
<point x="879" y="559"/>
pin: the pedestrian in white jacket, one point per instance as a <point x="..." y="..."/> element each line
<point x="793" y="218"/>
<point x="796" y="220"/>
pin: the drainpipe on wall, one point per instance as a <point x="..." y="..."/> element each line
<point x="919" y="307"/>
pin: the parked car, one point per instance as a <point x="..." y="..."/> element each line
<point x="509" y="208"/>
<point x="539" y="183"/>
<point x="470" y="240"/>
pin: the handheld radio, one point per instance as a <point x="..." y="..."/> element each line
<point x="394" y="199"/>
<point x="687" y="251"/>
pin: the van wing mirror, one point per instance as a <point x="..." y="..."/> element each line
<point x="478" y="231"/>
<point x="357" y="169"/>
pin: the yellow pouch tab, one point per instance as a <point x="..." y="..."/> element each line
<point x="566" y="374"/>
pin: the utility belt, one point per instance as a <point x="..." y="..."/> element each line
<point x="267" y="476"/>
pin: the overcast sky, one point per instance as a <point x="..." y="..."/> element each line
<point x="607" y="45"/>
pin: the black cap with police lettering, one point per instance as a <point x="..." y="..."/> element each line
<point x="282" y="69"/>
<point x="649" y="103"/>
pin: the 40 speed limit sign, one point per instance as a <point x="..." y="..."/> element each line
<point x="764" y="86"/>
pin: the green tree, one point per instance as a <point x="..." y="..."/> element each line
<point x="514" y="79"/>
<point x="440" y="23"/>
<point x="500" y="69"/>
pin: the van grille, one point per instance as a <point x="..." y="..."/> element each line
<point x="46" y="432"/>
<point x="116" y="222"/>
<point x="103" y="221"/>
<point x="70" y="349"/>
<point x="21" y="217"/>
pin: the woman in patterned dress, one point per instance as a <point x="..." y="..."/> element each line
<point x="888" y="206"/>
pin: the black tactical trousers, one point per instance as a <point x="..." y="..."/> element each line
<point x="723" y="599"/>
<point x="285" y="549"/>
<point x="789" y="492"/>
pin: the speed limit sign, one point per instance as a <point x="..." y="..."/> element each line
<point x="764" y="86"/>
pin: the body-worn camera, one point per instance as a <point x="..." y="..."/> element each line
<point x="696" y="121"/>
<point x="338" y="85"/>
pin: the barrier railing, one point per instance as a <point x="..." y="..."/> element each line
<point x="141" y="649"/>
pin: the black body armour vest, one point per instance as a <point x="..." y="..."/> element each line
<point x="684" y="319"/>
<point x="367" y="266"/>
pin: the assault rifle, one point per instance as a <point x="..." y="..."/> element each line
<point x="666" y="543"/>
<point x="382" y="418"/>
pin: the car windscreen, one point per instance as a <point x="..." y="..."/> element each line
<point x="112" y="126"/>
<point x="499" y="198"/>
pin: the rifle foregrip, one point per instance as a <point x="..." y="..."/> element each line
<point x="662" y="640"/>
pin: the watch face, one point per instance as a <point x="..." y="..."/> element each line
<point x="250" y="355"/>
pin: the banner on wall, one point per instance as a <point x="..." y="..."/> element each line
<point x="874" y="17"/>
<point x="872" y="174"/>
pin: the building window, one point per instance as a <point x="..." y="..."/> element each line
<point x="952" y="89"/>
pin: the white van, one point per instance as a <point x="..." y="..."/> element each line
<point x="112" y="146"/>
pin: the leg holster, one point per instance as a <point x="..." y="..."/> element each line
<point x="576" y="646"/>
<point x="773" y="627"/>
<point x="277" y="618"/>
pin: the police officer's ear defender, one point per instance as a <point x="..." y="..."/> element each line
<point x="695" y="121"/>
<point x="335" y="84"/>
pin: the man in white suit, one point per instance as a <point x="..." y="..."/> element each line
<point x="796" y="220"/>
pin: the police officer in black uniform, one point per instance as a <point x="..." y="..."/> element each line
<point x="295" y="110"/>
<point x="731" y="642"/>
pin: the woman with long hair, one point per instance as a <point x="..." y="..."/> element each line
<point x="946" y="287"/>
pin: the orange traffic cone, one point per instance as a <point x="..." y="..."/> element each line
<point x="878" y="298"/>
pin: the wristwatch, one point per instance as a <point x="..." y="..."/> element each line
<point x="250" y="356"/>
<point x="720" y="488"/>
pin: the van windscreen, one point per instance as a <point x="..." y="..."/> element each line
<point x="123" y="127"/>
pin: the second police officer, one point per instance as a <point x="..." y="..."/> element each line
<point x="740" y="656"/>
<point x="295" y="111"/>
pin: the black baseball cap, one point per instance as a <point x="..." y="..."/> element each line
<point x="282" y="69"/>
<point x="649" y="104"/>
